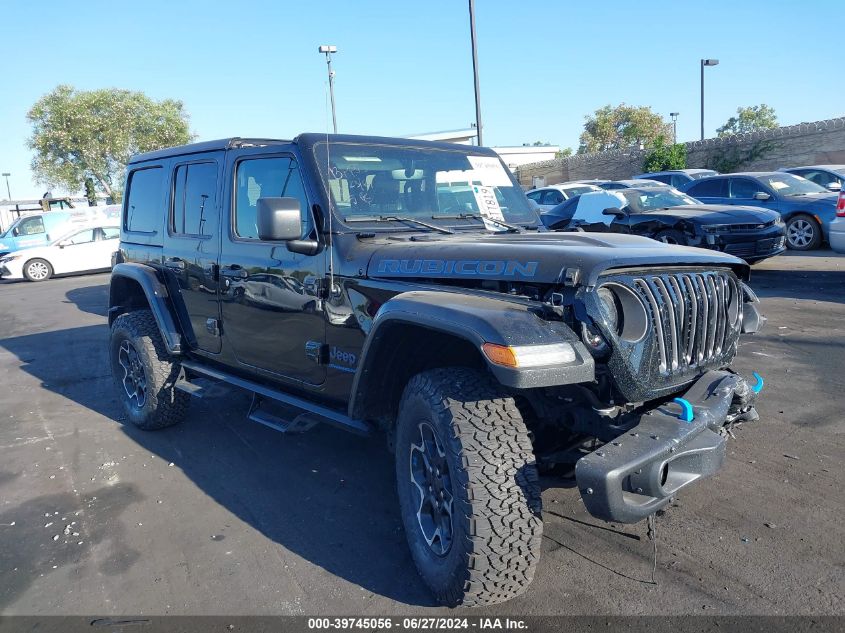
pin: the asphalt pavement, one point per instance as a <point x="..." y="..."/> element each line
<point x="220" y="515"/>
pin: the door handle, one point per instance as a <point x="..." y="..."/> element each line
<point x="175" y="263"/>
<point x="234" y="273"/>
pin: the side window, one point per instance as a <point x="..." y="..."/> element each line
<point x="534" y="195"/>
<point x="192" y="209"/>
<point x="819" y="177"/>
<point x="707" y="188"/>
<point x="82" y="237"/>
<point x="110" y="232"/>
<point x="743" y="189"/>
<point x="267" y="178"/>
<point x="143" y="202"/>
<point x="552" y="197"/>
<point x="31" y="226"/>
<point x="667" y="178"/>
<point x="677" y="181"/>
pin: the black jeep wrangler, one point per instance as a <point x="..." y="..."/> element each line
<point x="407" y="287"/>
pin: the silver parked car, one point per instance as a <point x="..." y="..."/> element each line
<point x="837" y="227"/>
<point x="831" y="177"/>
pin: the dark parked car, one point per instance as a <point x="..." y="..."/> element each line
<point x="831" y="177"/>
<point x="806" y="208"/>
<point x="677" y="177"/>
<point x="667" y="215"/>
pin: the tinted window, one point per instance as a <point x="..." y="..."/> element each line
<point x="535" y="195"/>
<point x="677" y="180"/>
<point x="30" y="226"/>
<point x="706" y="188"/>
<point x="193" y="199"/>
<point x="267" y="178"/>
<point x="743" y="188"/>
<point x="667" y="178"/>
<point x="143" y="202"/>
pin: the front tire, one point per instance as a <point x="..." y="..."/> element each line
<point x="803" y="233"/>
<point x="37" y="269"/>
<point x="144" y="373"/>
<point x="468" y="487"/>
<point x="671" y="236"/>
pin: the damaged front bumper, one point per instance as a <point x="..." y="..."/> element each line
<point x="637" y="474"/>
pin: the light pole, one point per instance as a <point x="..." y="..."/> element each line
<point x="475" y="70"/>
<point x="705" y="62"/>
<point x="6" y="176"/>
<point x="674" y="116"/>
<point x="328" y="50"/>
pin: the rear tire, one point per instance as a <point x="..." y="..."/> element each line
<point x="459" y="438"/>
<point x="144" y="373"/>
<point x="37" y="269"/>
<point x="803" y="233"/>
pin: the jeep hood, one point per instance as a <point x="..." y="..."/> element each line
<point x="531" y="257"/>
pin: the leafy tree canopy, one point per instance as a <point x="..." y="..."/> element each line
<point x="750" y="119"/>
<point x="622" y="126"/>
<point x="663" y="157"/>
<point x="80" y="135"/>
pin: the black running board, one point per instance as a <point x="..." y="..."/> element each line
<point x="323" y="414"/>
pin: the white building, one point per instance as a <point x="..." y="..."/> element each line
<point x="512" y="156"/>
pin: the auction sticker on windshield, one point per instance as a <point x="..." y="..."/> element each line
<point x="490" y="171"/>
<point x="488" y="205"/>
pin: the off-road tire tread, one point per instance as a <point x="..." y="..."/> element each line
<point x="168" y="403"/>
<point x="502" y="504"/>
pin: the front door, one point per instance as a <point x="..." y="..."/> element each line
<point x="272" y="315"/>
<point x="192" y="242"/>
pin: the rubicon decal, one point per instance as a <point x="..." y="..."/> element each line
<point x="468" y="267"/>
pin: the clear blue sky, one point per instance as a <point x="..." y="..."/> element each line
<point x="252" y="68"/>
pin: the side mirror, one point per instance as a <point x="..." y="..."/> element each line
<point x="616" y="212"/>
<point x="761" y="195"/>
<point x="834" y="186"/>
<point x="279" y="219"/>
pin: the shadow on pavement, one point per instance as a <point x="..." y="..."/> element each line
<point x="326" y="496"/>
<point x="92" y="299"/>
<point x="813" y="285"/>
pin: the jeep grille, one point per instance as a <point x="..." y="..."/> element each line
<point x="695" y="316"/>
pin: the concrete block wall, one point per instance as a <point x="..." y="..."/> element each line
<point x="803" y="144"/>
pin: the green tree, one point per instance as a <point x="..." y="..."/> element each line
<point x="563" y="153"/>
<point x="750" y="119"/>
<point x="620" y="127"/>
<point x="92" y="134"/>
<point x="663" y="157"/>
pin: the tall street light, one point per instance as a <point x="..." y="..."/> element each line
<point x="475" y="70"/>
<point x="674" y="116"/>
<point x="328" y="50"/>
<point x="6" y="176"/>
<point x="705" y="62"/>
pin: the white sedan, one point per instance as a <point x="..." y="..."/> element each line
<point x="82" y="250"/>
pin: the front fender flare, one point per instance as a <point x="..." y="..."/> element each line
<point x="157" y="297"/>
<point x="478" y="320"/>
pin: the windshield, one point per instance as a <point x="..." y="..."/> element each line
<point x="789" y="185"/>
<point x="8" y="232"/>
<point x="423" y="184"/>
<point x="658" y="198"/>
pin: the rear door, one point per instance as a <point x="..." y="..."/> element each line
<point x="192" y="242"/>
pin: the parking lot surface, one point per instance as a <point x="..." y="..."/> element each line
<point x="220" y="515"/>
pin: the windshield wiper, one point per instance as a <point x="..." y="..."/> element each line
<point x="398" y="218"/>
<point x="511" y="228"/>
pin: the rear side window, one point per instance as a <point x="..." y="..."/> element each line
<point x="707" y="188"/>
<point x="666" y="178"/>
<point x="143" y="201"/>
<point x="193" y="207"/>
<point x="267" y="178"/>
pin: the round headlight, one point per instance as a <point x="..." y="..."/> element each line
<point x="609" y="308"/>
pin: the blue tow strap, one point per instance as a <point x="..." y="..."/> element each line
<point x="760" y="382"/>
<point x="686" y="409"/>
